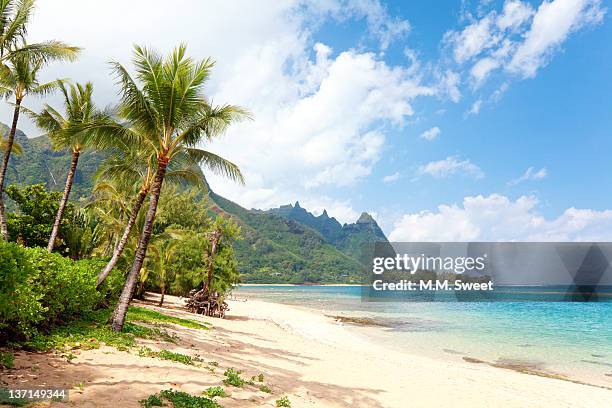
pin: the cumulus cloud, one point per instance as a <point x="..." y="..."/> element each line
<point x="431" y="134"/>
<point x="450" y="166"/>
<point x="391" y="177"/>
<point x="518" y="39"/>
<point x="530" y="174"/>
<point x="320" y="114"/>
<point x="552" y="24"/>
<point x="498" y="218"/>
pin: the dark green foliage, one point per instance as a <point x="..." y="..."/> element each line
<point x="32" y="221"/>
<point x="215" y="392"/>
<point x="232" y="377"/>
<point x="39" y="290"/>
<point x="178" y="399"/>
<point x="152" y="401"/>
<point x="278" y="250"/>
<point x="7" y="359"/>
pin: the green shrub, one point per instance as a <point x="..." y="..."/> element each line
<point x="215" y="392"/>
<point x="20" y="306"/>
<point x="7" y="359"/>
<point x="39" y="290"/>
<point x="283" y="402"/>
<point x="232" y="377"/>
<point x="265" y="388"/>
<point x="152" y="401"/>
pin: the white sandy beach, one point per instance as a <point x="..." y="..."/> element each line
<point x="310" y="358"/>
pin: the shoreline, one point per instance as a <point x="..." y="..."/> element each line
<point x="302" y="354"/>
<point x="300" y="285"/>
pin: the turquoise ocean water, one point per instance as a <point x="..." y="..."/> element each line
<point x="573" y="339"/>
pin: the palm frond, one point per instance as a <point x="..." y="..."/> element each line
<point x="216" y="164"/>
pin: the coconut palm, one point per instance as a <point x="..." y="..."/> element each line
<point x="16" y="148"/>
<point x="133" y="167"/>
<point x="18" y="79"/>
<point x="165" y="102"/>
<point x="162" y="250"/>
<point x="14" y="18"/>
<point x="69" y="131"/>
<point x="19" y="66"/>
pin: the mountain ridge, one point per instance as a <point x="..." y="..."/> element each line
<point x="287" y="244"/>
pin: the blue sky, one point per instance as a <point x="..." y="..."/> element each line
<point x="449" y="121"/>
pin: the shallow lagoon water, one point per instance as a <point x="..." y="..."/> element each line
<point x="573" y="339"/>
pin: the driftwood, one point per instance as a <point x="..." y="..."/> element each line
<point x="201" y="303"/>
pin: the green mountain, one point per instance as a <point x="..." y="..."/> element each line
<point x="348" y="238"/>
<point x="281" y="245"/>
<point x="41" y="164"/>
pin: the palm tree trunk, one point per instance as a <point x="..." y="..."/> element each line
<point x="4" y="167"/>
<point x="163" y="291"/>
<point x="142" y="194"/>
<point x="141" y="250"/>
<point x="64" y="200"/>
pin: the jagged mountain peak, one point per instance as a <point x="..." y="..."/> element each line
<point x="365" y="218"/>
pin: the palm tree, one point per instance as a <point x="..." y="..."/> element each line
<point x="166" y="103"/>
<point x="162" y="251"/>
<point x="19" y="66"/>
<point x="16" y="148"/>
<point x="14" y="18"/>
<point x="133" y="167"/>
<point x="18" y="79"/>
<point x="69" y="132"/>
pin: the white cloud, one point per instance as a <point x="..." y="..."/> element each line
<point x="475" y="108"/>
<point x="320" y="117"/>
<point x="431" y="134"/>
<point x="498" y="218"/>
<point x="481" y="70"/>
<point x="530" y="174"/>
<point x="515" y="14"/>
<point x="448" y="167"/>
<point x="472" y="40"/>
<point x="552" y="24"/>
<point x="517" y="39"/>
<point x="391" y="177"/>
<point x="449" y="85"/>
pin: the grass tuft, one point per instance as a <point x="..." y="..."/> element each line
<point x="178" y="399"/>
<point x="144" y="315"/>
<point x="283" y="402"/>
<point x="233" y="378"/>
<point x="91" y="331"/>
<point x="7" y="359"/>
<point x="215" y="392"/>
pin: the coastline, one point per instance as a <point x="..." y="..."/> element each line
<point x="305" y="355"/>
<point x="301" y="285"/>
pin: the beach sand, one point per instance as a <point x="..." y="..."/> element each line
<point x="303" y="354"/>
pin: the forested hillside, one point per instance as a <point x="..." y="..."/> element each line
<point x="283" y="245"/>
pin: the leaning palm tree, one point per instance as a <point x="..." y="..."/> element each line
<point x="165" y="102"/>
<point x="133" y="168"/>
<point x="69" y="131"/>
<point x="18" y="79"/>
